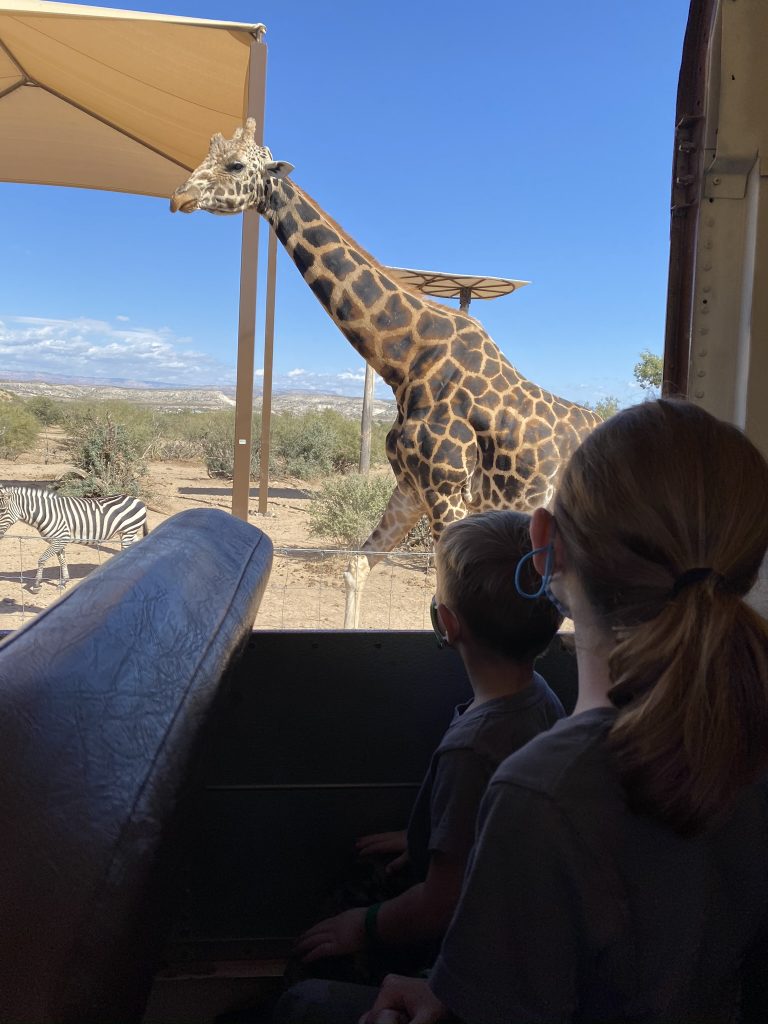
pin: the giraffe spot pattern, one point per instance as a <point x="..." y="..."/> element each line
<point x="432" y="326"/>
<point x="338" y="263"/>
<point x="320" y="236"/>
<point x="467" y="355"/>
<point x="347" y="310"/>
<point x="476" y="385"/>
<point x="323" y="289"/>
<point x="305" y="211"/>
<point x="303" y="258"/>
<point x="286" y="228"/>
<point x="461" y="432"/>
<point x="462" y="404"/>
<point x="394" y="316"/>
<point x="397" y="351"/>
<point x="366" y="289"/>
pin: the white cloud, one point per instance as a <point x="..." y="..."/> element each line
<point x="104" y="350"/>
<point x="98" y="348"/>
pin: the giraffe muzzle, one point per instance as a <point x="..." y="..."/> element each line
<point x="186" y="202"/>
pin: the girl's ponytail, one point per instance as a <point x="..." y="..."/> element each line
<point x="662" y="513"/>
<point x="693" y="687"/>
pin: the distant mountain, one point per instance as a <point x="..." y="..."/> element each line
<point x="41" y="376"/>
<point x="170" y="398"/>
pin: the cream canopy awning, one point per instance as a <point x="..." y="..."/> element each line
<point x="116" y="100"/>
<point x="453" y="286"/>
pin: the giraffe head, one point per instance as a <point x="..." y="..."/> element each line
<point x="236" y="174"/>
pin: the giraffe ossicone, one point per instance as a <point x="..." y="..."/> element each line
<point x="471" y="433"/>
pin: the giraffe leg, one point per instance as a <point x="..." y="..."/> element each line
<point x="445" y="505"/>
<point x="402" y="512"/>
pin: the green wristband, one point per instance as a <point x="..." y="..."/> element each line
<point x="371" y="934"/>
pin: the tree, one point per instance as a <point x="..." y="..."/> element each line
<point x="649" y="372"/>
<point x="604" y="407"/>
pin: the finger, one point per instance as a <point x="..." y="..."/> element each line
<point x="310" y="942"/>
<point x="320" y="952"/>
<point x="389" y="1017"/>
<point x="387" y="998"/>
<point x="375" y="845"/>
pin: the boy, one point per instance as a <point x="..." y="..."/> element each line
<point x="498" y="635"/>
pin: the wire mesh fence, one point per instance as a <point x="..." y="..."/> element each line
<point x="306" y="588"/>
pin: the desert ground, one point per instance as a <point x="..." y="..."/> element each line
<point x="305" y="590"/>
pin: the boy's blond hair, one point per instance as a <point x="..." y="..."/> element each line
<point x="476" y="560"/>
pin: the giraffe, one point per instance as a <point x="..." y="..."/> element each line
<point x="471" y="433"/>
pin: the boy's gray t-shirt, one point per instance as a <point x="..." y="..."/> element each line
<point x="576" y="908"/>
<point x="475" y="743"/>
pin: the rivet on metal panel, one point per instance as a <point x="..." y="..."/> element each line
<point x="703" y="330"/>
<point x="707" y="288"/>
<point x="699" y="394"/>
<point x="701" y="373"/>
<point x="702" y="352"/>
<point x="716" y="181"/>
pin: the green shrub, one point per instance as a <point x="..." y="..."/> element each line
<point x="218" y="445"/>
<point x="110" y="456"/>
<point x="314" y="444"/>
<point x="45" y="409"/>
<point x="181" y="435"/>
<point x="347" y="508"/>
<point x="19" y="430"/>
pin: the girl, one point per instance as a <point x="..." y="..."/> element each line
<point x="621" y="866"/>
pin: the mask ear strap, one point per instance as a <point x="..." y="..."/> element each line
<point x="546" y="577"/>
<point x="440" y="637"/>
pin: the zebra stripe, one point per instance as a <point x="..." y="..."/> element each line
<point x="61" y="519"/>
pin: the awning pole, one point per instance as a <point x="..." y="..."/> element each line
<point x="366" y="420"/>
<point x="266" y="394"/>
<point x="249" y="266"/>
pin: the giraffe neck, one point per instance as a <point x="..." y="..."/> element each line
<point x="380" y="318"/>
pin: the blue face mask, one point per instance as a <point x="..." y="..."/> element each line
<point x="546" y="579"/>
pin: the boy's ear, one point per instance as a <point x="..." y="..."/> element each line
<point x="450" y="623"/>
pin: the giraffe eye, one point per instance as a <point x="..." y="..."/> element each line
<point x="236" y="166"/>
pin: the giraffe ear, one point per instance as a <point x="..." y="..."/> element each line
<point x="217" y="144"/>
<point x="278" y="168"/>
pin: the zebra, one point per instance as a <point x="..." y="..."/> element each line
<point x="61" y="519"/>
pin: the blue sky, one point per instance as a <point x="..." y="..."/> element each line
<point x="509" y="138"/>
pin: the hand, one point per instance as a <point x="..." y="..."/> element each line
<point x="381" y="842"/>
<point x="405" y="1001"/>
<point x="334" y="936"/>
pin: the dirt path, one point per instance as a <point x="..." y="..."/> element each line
<point x="305" y="591"/>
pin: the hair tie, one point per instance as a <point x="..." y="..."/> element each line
<point x="691" y="576"/>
